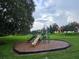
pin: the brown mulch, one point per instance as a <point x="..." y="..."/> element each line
<point x="42" y="46"/>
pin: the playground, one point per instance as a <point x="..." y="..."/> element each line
<point x="40" y="46"/>
<point x="72" y="52"/>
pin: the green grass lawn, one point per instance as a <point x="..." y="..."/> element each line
<point x="6" y="51"/>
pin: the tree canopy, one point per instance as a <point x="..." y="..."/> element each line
<point x="54" y="27"/>
<point x="74" y="26"/>
<point x="16" y="16"/>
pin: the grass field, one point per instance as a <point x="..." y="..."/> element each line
<point x="6" y="51"/>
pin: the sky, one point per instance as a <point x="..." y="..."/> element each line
<point x="48" y="12"/>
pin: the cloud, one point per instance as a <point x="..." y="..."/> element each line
<point x="43" y="7"/>
<point x="44" y="21"/>
<point x="64" y="17"/>
<point x="37" y="26"/>
<point x="68" y="4"/>
<point x="72" y="17"/>
<point x="61" y="12"/>
<point x="41" y="4"/>
<point x="48" y="3"/>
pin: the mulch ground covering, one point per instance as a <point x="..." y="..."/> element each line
<point x="41" y="46"/>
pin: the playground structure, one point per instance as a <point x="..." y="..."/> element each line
<point x="37" y="46"/>
<point x="40" y="43"/>
<point x="36" y="40"/>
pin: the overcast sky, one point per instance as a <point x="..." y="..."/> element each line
<point x="61" y="12"/>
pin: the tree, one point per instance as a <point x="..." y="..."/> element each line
<point x="54" y="27"/>
<point x="71" y="27"/>
<point x="50" y="29"/>
<point x="16" y="16"/>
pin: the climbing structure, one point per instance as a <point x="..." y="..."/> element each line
<point x="37" y="46"/>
